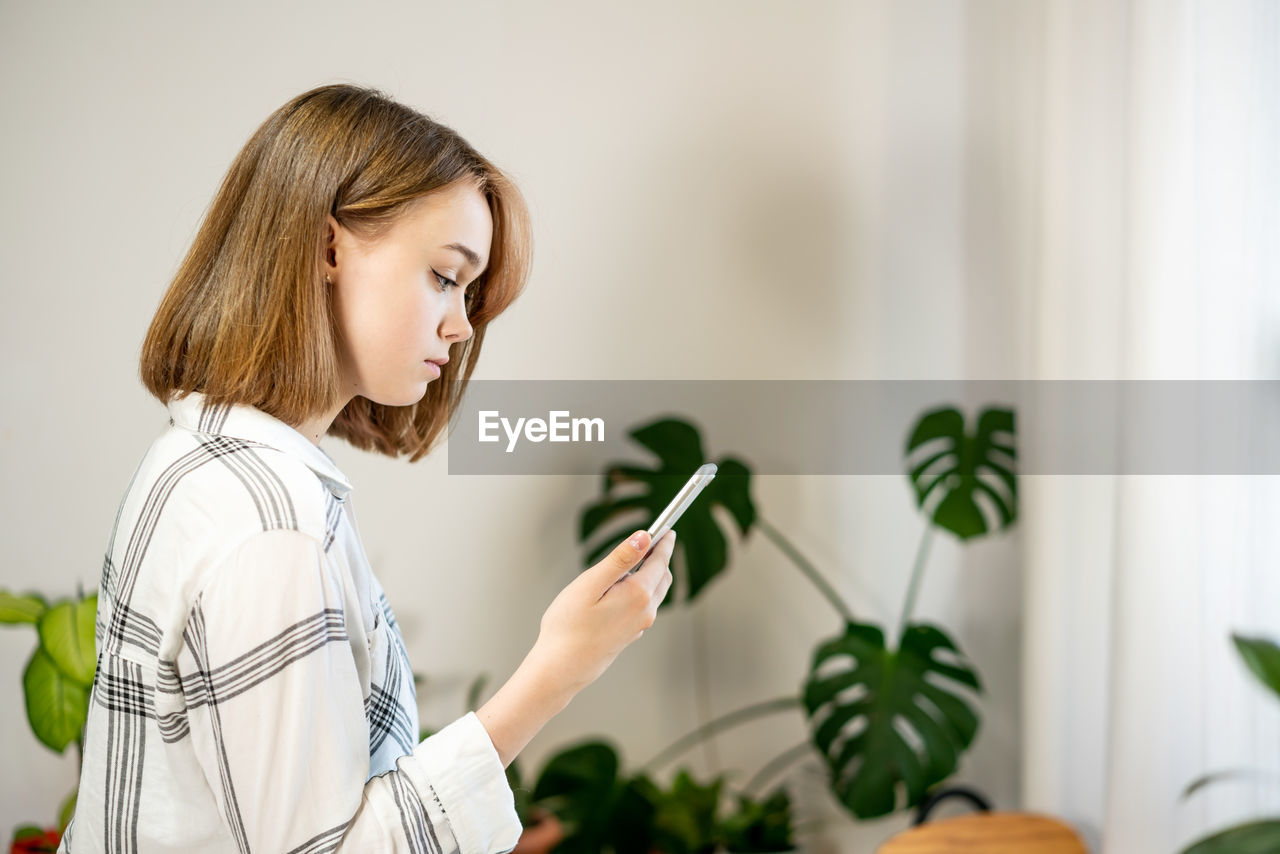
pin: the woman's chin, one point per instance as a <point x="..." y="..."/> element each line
<point x="402" y="396"/>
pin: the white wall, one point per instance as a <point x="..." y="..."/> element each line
<point x="837" y="182"/>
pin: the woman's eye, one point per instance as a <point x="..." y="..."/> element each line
<point x="468" y="296"/>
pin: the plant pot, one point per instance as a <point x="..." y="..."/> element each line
<point x="540" y="837"/>
<point x="31" y="840"/>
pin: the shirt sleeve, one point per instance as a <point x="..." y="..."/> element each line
<point x="279" y="727"/>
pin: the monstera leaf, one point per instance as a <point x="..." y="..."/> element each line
<point x="952" y="466"/>
<point x="1261" y="656"/>
<point x="678" y="447"/>
<point x="889" y="723"/>
<point x="1259" y="837"/>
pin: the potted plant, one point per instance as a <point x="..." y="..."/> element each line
<point x="55" y="687"/>
<point x="598" y="809"/>
<point x="756" y="827"/>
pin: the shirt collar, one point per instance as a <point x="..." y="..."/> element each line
<point x="251" y="424"/>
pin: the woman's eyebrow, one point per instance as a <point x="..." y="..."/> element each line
<point x="472" y="258"/>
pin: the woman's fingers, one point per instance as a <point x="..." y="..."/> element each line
<point x="657" y="567"/>
<point x="660" y="592"/>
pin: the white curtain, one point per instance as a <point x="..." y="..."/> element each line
<point x="1158" y="239"/>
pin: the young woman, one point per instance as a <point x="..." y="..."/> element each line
<point x="253" y="691"/>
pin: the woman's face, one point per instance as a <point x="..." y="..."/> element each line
<point x="400" y="301"/>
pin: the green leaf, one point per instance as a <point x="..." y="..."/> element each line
<point x="579" y="785"/>
<point x="759" y="826"/>
<point x="1261" y="656"/>
<point x="21" y="609"/>
<point x="67" y="811"/>
<point x="1216" y="776"/>
<point x="587" y="765"/>
<point x="859" y="713"/>
<point x="599" y="812"/>
<point x="1260" y="837"/>
<point x="635" y="495"/>
<point x="522" y="795"/>
<point x="476" y="689"/>
<point x="66" y="634"/>
<point x="684" y="819"/>
<point x="959" y="466"/>
<point x="57" y="706"/>
<point x="631" y="821"/>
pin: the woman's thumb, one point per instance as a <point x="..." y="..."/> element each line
<point x="624" y="556"/>
<point x="628" y="553"/>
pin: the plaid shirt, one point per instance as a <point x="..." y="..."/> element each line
<point x="253" y="692"/>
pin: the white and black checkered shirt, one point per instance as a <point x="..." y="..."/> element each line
<point x="253" y="691"/>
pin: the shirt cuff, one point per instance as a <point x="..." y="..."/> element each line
<point x="461" y="766"/>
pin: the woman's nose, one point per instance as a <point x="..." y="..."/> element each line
<point x="456" y="325"/>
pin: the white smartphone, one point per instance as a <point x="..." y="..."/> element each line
<point x="668" y="517"/>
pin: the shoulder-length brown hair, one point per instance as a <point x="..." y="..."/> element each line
<point x="248" y="319"/>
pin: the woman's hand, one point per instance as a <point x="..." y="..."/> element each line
<point x="587" y="625"/>
<point x="604" y="610"/>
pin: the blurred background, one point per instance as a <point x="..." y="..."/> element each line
<point x="879" y="189"/>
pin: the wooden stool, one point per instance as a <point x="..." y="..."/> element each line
<point x="987" y="833"/>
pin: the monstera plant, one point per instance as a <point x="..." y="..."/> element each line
<point x="860" y="691"/>
<point x="1262" y="657"/>
<point x="890" y="717"/>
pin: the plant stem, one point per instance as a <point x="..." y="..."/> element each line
<point x="921" y="553"/>
<point x="723" y="722"/>
<point x="702" y="685"/>
<point x="775" y="765"/>
<point x="805" y="567"/>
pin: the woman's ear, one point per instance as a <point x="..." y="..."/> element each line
<point x="331" y="242"/>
